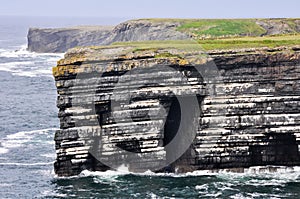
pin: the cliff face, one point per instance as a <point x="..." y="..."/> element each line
<point x="143" y="30"/>
<point x="165" y="110"/>
<point x="60" y="40"/>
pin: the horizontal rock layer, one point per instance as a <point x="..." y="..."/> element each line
<point x="228" y="110"/>
<point x="59" y="40"/>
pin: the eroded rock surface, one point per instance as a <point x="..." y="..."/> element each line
<point x="59" y="40"/>
<point x="116" y="100"/>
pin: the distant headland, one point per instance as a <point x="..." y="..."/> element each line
<point x="58" y="40"/>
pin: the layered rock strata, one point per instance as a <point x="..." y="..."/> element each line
<point x="58" y="40"/>
<point x="123" y="106"/>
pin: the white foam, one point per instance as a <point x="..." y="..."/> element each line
<point x="3" y="150"/>
<point x="154" y="196"/>
<point x="34" y="73"/>
<point x="264" y="177"/>
<point x="51" y="193"/>
<point x="202" y="187"/>
<point x="34" y="64"/>
<point x="5" y="185"/>
<point x="23" y="52"/>
<point x="18" y="139"/>
<point x="121" y="171"/>
<point x="105" y="174"/>
<point x="268" y="182"/>
<point x="26" y="164"/>
<point x="12" y="66"/>
<point x="284" y="175"/>
<point x="48" y="155"/>
<point x="239" y="196"/>
<point x="264" y="195"/>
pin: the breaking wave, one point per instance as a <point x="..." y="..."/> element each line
<point x="29" y="64"/>
<point x="19" y="139"/>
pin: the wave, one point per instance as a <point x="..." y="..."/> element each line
<point x="282" y="173"/>
<point x="27" y="164"/>
<point x="30" y="64"/>
<point x="13" y="66"/>
<point x="23" y="52"/>
<point x="49" y="155"/>
<point x="3" y="150"/>
<point x="18" y="139"/>
<point x="32" y="73"/>
<point x="206" y="184"/>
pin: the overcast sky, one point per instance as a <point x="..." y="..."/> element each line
<point x="153" y="8"/>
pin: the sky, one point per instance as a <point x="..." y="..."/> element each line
<point x="153" y="8"/>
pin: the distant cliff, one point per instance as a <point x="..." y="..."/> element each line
<point x="249" y="117"/>
<point x="60" y="40"/>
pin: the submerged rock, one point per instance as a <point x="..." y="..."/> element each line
<point x="170" y="110"/>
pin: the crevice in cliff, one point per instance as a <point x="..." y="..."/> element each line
<point x="182" y="123"/>
<point x="172" y="122"/>
<point x="279" y="149"/>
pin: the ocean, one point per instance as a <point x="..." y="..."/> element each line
<point x="28" y="120"/>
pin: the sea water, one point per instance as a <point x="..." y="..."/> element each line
<point x="28" y="120"/>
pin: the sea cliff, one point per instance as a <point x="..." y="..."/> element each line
<point x="127" y="104"/>
<point x="61" y="39"/>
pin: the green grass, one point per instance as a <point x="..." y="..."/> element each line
<point x="216" y="44"/>
<point x="250" y="42"/>
<point x="214" y="34"/>
<point x="186" y="45"/>
<point x="222" y="27"/>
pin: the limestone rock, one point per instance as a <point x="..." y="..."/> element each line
<point x="114" y="100"/>
<point x="59" y="40"/>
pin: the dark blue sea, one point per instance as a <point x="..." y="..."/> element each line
<point x="28" y="120"/>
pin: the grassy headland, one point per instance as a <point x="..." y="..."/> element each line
<point x="222" y="27"/>
<point x="220" y="34"/>
<point x="250" y="42"/>
<point x="218" y="44"/>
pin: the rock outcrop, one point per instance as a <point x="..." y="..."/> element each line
<point x="62" y="39"/>
<point x="177" y="110"/>
<point x="280" y="26"/>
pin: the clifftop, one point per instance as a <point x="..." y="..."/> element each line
<point x="60" y="40"/>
